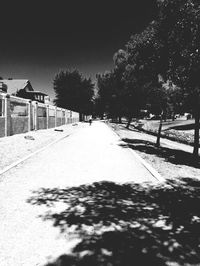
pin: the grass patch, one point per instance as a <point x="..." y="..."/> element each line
<point x="181" y="133"/>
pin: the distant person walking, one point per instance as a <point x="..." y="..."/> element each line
<point x="90" y="121"/>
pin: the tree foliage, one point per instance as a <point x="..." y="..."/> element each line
<point x="179" y="30"/>
<point x="143" y="61"/>
<point x="145" y="54"/>
<point x="73" y="91"/>
<point x="167" y="48"/>
<point x="110" y="90"/>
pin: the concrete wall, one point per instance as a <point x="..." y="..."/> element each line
<point x="42" y="122"/>
<point x="2" y="126"/>
<point x="59" y="121"/>
<point x="18" y="125"/>
<point x="51" y="121"/>
<point x="18" y="115"/>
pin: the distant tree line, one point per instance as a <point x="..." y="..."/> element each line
<point x="159" y="68"/>
<point x="73" y="91"/>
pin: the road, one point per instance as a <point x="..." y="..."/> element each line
<point x="93" y="153"/>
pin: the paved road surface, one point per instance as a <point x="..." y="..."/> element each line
<point x="91" y="154"/>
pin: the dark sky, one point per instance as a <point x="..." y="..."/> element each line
<point x="39" y="38"/>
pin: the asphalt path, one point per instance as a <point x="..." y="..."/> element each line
<point x="93" y="153"/>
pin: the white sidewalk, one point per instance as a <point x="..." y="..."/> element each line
<point x="89" y="155"/>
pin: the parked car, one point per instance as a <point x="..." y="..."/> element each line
<point x="155" y="117"/>
<point x="188" y="115"/>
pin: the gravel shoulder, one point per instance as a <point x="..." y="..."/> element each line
<point x="172" y="160"/>
<point x="16" y="147"/>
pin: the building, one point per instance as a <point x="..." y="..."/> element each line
<point x="13" y="86"/>
<point x="22" y="88"/>
<point x="3" y="87"/>
<point x="34" y="96"/>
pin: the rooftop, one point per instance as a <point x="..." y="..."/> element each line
<point x="38" y="92"/>
<point x="16" y="84"/>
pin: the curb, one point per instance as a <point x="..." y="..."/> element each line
<point x="30" y="155"/>
<point x="152" y="171"/>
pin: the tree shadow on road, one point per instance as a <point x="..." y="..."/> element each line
<point x="174" y="156"/>
<point x="127" y="224"/>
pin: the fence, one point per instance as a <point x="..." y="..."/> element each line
<point x="18" y="115"/>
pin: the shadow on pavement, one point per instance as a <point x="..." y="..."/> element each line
<point x="171" y="155"/>
<point x="128" y="224"/>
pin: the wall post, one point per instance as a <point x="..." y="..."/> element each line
<point x="29" y="115"/>
<point x="61" y="116"/>
<point x="47" y="115"/>
<point x="35" y="115"/>
<point x="55" y="116"/>
<point x="7" y="115"/>
<point x="65" y="116"/>
<point x="70" y="116"/>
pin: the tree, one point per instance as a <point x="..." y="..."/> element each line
<point x="120" y="60"/>
<point x="123" y="90"/>
<point x="179" y="30"/>
<point x="164" y="99"/>
<point x="73" y="91"/>
<point x="143" y="66"/>
<point x="106" y="93"/>
<point x="134" y="97"/>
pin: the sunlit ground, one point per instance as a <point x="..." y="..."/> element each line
<point x="130" y="224"/>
